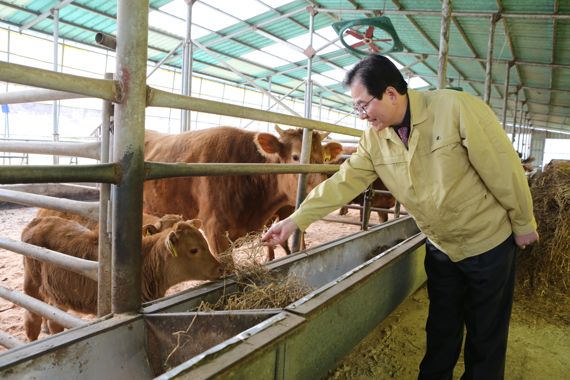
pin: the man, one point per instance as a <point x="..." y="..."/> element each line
<point x="445" y="157"/>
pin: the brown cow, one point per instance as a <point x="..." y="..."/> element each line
<point x="177" y="254"/>
<point x="378" y="200"/>
<point x="236" y="204"/>
<point x="385" y="201"/>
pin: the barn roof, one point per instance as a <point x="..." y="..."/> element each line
<point x="268" y="38"/>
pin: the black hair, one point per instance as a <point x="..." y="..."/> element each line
<point x="376" y="73"/>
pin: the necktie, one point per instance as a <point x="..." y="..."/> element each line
<point x="403" y="133"/>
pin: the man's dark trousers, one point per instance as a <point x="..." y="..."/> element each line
<point x="477" y="293"/>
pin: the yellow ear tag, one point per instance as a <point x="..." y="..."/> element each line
<point x="171" y="248"/>
<point x="327" y="157"/>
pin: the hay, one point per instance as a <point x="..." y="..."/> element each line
<point x="546" y="267"/>
<point x="259" y="288"/>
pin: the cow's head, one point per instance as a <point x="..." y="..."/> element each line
<point x="191" y="257"/>
<point x="286" y="149"/>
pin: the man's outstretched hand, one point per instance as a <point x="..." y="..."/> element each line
<point x="279" y="232"/>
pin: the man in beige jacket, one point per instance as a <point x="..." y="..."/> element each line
<point x="445" y="157"/>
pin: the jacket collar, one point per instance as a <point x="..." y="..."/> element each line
<point x="418" y="110"/>
<point x="418" y="107"/>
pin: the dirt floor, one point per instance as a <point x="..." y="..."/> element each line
<point x="539" y="342"/>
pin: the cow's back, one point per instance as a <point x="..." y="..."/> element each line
<point x="204" y="197"/>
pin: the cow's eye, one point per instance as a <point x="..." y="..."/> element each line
<point x="194" y="251"/>
<point x="295" y="157"/>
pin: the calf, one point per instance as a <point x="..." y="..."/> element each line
<point x="152" y="224"/>
<point x="176" y="254"/>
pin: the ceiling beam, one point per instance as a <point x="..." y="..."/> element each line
<point x="410" y="12"/>
<point x="428" y="39"/>
<point x="39" y="18"/>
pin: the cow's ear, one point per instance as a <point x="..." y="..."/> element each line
<point x="267" y="144"/>
<point x="197" y="223"/>
<point x="324" y="135"/>
<point x="149" y="229"/>
<point x="170" y="242"/>
<point x="279" y="130"/>
<point x="332" y="152"/>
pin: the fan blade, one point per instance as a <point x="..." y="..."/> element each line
<point x="373" y="48"/>
<point x="354" y="33"/>
<point x="369" y="32"/>
<point x="358" y="44"/>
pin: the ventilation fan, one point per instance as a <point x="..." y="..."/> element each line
<point x="374" y="35"/>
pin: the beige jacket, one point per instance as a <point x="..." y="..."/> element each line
<point x="461" y="179"/>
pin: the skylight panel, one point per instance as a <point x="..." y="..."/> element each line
<point x="201" y="13"/>
<point x="323" y="80"/>
<point x="285" y="51"/>
<point x="264" y="59"/>
<point x="417" y="82"/>
<point x="303" y="42"/>
<point x="242" y="9"/>
<point x="337" y="74"/>
<point x="173" y="24"/>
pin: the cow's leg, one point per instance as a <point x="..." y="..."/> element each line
<point x="54" y="327"/>
<point x="270" y="253"/>
<point x="382" y="216"/>
<point x="32" y="321"/>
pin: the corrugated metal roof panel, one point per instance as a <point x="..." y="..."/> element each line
<point x="526" y="41"/>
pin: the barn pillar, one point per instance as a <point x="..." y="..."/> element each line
<point x="55" y="109"/>
<point x="537" y="147"/>
<point x="444" y="43"/>
<point x="514" y="123"/>
<point x="307" y="133"/>
<point x="187" y="66"/>
<point x="132" y="22"/>
<point x="506" y="93"/>
<point x="489" y="64"/>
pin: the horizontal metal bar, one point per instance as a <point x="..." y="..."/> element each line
<point x="106" y="173"/>
<point x="99" y="88"/>
<point x="159" y="98"/>
<point x="83" y="267"/>
<point x="87" y="150"/>
<point x="9" y="341"/>
<point x="37" y="95"/>
<point x="41" y="308"/>
<point x="87" y="209"/>
<point x="157" y="170"/>
<point x="388" y="210"/>
<point x="411" y="12"/>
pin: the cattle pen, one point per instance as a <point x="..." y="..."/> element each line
<point x="135" y="339"/>
<point x="124" y="168"/>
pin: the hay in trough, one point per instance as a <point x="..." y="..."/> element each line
<point x="545" y="268"/>
<point x="259" y="288"/>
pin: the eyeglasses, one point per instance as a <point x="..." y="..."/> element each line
<point x="360" y="109"/>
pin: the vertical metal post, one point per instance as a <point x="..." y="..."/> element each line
<point x="514" y="124"/>
<point x="521" y="121"/>
<point x="489" y="64"/>
<point x="506" y="93"/>
<point x="269" y="85"/>
<point x="187" y="66"/>
<point x="444" y="43"/>
<point x="105" y="249"/>
<point x="55" y="108"/>
<point x="132" y="22"/>
<point x="366" y="205"/>
<point x="307" y="133"/>
<point x="521" y="132"/>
